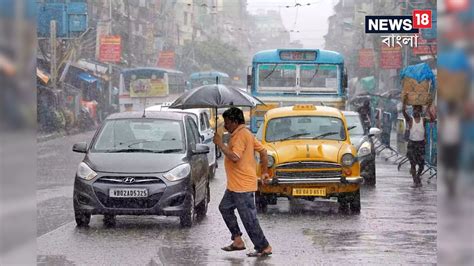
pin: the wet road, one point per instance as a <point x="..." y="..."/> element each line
<point x="397" y="225"/>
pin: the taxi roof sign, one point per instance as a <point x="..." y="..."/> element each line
<point x="304" y="107"/>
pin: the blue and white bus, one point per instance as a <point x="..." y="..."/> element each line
<point x="199" y="79"/>
<point x="283" y="77"/>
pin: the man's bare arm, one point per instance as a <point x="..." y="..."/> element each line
<point x="404" y="112"/>
<point x="227" y="152"/>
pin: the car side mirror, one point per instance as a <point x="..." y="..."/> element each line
<point x="80" y="147"/>
<point x="374" y="131"/>
<point x="201" y="149"/>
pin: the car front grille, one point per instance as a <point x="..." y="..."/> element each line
<point x="142" y="180"/>
<point x="309" y="170"/>
<point x="310" y="174"/>
<point x="308" y="165"/>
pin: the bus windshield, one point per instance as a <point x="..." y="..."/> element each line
<point x="287" y="77"/>
<point x="144" y="83"/>
<point x="199" y="79"/>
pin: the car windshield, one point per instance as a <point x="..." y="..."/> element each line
<point x="140" y="135"/>
<point x="305" y="127"/>
<point x="354" y="125"/>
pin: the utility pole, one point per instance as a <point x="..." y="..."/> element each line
<point x="110" y="64"/>
<point x="53" y="44"/>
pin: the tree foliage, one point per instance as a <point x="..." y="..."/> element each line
<point x="212" y="54"/>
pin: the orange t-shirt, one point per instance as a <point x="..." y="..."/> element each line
<point x="242" y="175"/>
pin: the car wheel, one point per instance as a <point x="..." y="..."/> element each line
<point x="109" y="220"/>
<point x="261" y="203"/>
<point x="201" y="209"/>
<point x="186" y="218"/>
<point x="370" y="179"/>
<point x="343" y="203"/>
<point x="212" y="170"/>
<point x="82" y="218"/>
<point x="355" y="202"/>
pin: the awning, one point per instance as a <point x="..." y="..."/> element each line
<point x="87" y="77"/>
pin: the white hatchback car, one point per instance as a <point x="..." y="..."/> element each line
<point x="201" y="117"/>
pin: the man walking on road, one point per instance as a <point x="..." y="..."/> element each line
<point x="240" y="167"/>
<point x="416" y="141"/>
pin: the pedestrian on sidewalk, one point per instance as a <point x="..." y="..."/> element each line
<point x="240" y="166"/>
<point x="416" y="140"/>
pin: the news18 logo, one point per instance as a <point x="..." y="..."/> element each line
<point x="420" y="19"/>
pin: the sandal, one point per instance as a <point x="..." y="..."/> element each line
<point x="231" y="247"/>
<point x="259" y="254"/>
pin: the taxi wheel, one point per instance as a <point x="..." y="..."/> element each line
<point x="343" y="203"/>
<point x="261" y="203"/>
<point x="355" y="202"/>
<point x="370" y="179"/>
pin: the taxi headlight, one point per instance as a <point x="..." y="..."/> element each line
<point x="364" y="149"/>
<point x="347" y="160"/>
<point x="85" y="172"/>
<point x="178" y="173"/>
<point x="271" y="161"/>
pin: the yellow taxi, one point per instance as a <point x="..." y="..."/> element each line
<point x="310" y="156"/>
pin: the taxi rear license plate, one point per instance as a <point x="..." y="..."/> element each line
<point x="128" y="193"/>
<point x="309" y="192"/>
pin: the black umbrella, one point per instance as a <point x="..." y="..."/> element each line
<point x="215" y="96"/>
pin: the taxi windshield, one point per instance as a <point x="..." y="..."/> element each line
<point x="305" y="127"/>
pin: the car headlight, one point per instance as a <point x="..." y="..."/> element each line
<point x="364" y="149"/>
<point x="85" y="172"/>
<point x="347" y="159"/>
<point x="177" y="173"/>
<point x="271" y="161"/>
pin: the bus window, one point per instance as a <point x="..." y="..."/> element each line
<point x="276" y="76"/>
<point x="319" y="76"/>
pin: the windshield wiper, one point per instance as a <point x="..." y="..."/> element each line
<point x="294" y="136"/>
<point x="138" y="142"/>
<point x="271" y="72"/>
<point x="350" y="128"/>
<point x="326" y="134"/>
<point x="169" y="151"/>
<point x="131" y="150"/>
<point x="315" y="72"/>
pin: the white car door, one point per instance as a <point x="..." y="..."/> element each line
<point x="208" y="133"/>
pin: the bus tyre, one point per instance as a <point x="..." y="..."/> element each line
<point x="261" y="203"/>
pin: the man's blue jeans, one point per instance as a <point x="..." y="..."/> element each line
<point x="244" y="202"/>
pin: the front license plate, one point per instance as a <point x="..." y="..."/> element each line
<point x="321" y="192"/>
<point x="128" y="193"/>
